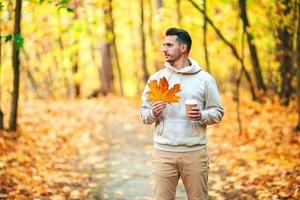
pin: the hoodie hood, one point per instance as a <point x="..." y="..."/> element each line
<point x="191" y="69"/>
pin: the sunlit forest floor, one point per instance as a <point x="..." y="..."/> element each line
<point x="99" y="149"/>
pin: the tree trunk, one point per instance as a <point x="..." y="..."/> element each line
<point x="284" y="49"/>
<point x="252" y="47"/>
<point x="178" y="13"/>
<point x="205" y="38"/>
<point x="1" y="113"/>
<point x="297" y="128"/>
<point x="159" y="4"/>
<point x="75" y="56"/>
<point x="114" y="45"/>
<point x="106" y="73"/>
<point x="233" y="49"/>
<point x="109" y="49"/>
<point x="143" y="42"/>
<point x="116" y="54"/>
<point x="62" y="47"/>
<point x="237" y="99"/>
<point x="30" y="76"/>
<point x="75" y="69"/>
<point x="16" y="69"/>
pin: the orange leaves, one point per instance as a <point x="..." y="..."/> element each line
<point x="161" y="91"/>
<point x="52" y="154"/>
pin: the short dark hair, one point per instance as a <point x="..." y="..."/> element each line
<point x="182" y="36"/>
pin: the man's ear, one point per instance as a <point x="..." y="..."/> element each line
<point x="183" y="47"/>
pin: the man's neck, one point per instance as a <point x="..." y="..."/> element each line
<point x="181" y="63"/>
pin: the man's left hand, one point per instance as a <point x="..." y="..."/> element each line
<point x="195" y="114"/>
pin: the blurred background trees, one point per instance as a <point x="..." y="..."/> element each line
<point x="86" y="48"/>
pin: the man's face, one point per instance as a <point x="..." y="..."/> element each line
<point x="172" y="48"/>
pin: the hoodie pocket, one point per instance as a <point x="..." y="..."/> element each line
<point x="178" y="127"/>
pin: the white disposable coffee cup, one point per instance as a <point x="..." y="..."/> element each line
<point x="189" y="104"/>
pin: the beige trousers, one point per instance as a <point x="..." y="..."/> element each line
<point x="192" y="167"/>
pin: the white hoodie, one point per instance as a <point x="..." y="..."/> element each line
<point x="173" y="130"/>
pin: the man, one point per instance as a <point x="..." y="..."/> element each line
<point x="179" y="138"/>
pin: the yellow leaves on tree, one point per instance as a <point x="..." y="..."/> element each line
<point x="161" y="92"/>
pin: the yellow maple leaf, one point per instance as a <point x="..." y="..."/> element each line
<point x="161" y="91"/>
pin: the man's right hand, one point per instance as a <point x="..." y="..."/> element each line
<point x="158" y="107"/>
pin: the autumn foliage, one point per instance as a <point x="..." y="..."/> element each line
<point x="161" y="92"/>
<point x="50" y="156"/>
<point x="62" y="148"/>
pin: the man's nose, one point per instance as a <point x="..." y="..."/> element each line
<point x="163" y="49"/>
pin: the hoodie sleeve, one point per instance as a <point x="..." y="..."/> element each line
<point x="213" y="111"/>
<point x="146" y="110"/>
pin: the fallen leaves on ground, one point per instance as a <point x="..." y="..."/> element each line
<point x="264" y="160"/>
<point x="44" y="158"/>
<point x="47" y="158"/>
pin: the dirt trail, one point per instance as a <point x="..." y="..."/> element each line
<point x="118" y="157"/>
<point x="99" y="149"/>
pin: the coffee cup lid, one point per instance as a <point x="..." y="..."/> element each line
<point x="190" y="101"/>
